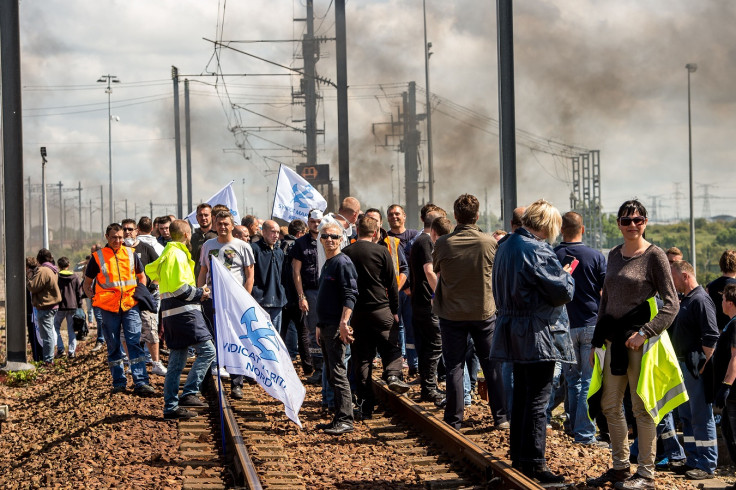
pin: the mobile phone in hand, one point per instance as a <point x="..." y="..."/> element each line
<point x="571" y="261"/>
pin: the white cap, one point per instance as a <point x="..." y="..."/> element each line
<point x="315" y="214"/>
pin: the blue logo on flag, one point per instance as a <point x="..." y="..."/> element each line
<point x="256" y="335"/>
<point x="299" y="195"/>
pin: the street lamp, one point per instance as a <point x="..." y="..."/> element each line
<point x="44" y="212"/>
<point x="691" y="67"/>
<point x="109" y="79"/>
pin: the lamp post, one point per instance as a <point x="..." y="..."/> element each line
<point x="44" y="211"/>
<point x="691" y="67"/>
<point x="427" y="54"/>
<point x="109" y="79"/>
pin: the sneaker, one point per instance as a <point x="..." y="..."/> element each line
<point x="698" y="474"/>
<point x="635" y="482"/>
<point x="191" y="401"/>
<point x="505" y="425"/>
<point x="158" y="369"/>
<point x="396" y="385"/>
<point x="594" y="443"/>
<point x="610" y="476"/>
<point x="179" y="413"/>
<point x="220" y="372"/>
<point x="236" y="392"/>
<point x="144" y="391"/>
<point x="59" y="354"/>
<point x="118" y="389"/>
<point x="72" y="355"/>
<point x="98" y="346"/>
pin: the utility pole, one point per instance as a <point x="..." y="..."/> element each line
<point x="44" y="204"/>
<point x="427" y="54"/>
<point x="411" y="152"/>
<point x="188" y="137"/>
<point x="61" y="213"/>
<point x="79" y="189"/>
<point x="506" y="117"/>
<point x="177" y="140"/>
<point x="309" y="53"/>
<point x="109" y="79"/>
<point x="343" y="142"/>
<point x="102" y="219"/>
<point x="12" y="137"/>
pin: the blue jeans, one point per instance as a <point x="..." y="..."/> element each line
<point x="100" y="329"/>
<point x="578" y="381"/>
<point x="45" y="320"/>
<point x="406" y="331"/>
<point x="275" y="314"/>
<point x="177" y="360"/>
<point x="698" y="426"/>
<point x="667" y="436"/>
<point x="58" y="318"/>
<point x="129" y="323"/>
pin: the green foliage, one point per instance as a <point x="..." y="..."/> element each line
<point x="21" y="378"/>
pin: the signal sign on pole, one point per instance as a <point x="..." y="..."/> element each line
<point x="314" y="174"/>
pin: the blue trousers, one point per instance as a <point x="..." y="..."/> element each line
<point x="125" y="325"/>
<point x="578" y="381"/>
<point x="177" y="360"/>
<point x="698" y="426"/>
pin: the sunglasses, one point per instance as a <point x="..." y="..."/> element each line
<point x="128" y="229"/>
<point x="325" y="236"/>
<point x="627" y="220"/>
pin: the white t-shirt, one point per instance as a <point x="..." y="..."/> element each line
<point x="236" y="255"/>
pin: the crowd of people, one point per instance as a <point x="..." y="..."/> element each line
<point x="544" y="324"/>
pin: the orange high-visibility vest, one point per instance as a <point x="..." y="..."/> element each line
<point x="393" y="245"/>
<point x="116" y="280"/>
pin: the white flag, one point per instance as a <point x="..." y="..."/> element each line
<point x="295" y="196"/>
<point x="248" y="344"/>
<point x="225" y="196"/>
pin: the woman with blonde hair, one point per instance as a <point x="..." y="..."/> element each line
<point x="531" y="287"/>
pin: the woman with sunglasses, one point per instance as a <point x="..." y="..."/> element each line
<point x="636" y="272"/>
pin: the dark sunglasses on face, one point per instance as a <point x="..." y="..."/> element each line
<point x="128" y="229"/>
<point x="325" y="236"/>
<point x="627" y="220"/>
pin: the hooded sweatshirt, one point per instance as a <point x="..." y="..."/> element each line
<point x="70" y="287"/>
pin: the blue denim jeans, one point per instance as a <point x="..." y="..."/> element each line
<point x="578" y="381"/>
<point x="177" y="360"/>
<point x="127" y="326"/>
<point x="406" y="331"/>
<point x="45" y="320"/>
<point x="669" y="446"/>
<point x="100" y="330"/>
<point x="698" y="426"/>
<point x="275" y="314"/>
<point x="58" y="318"/>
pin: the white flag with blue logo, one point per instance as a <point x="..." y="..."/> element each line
<point x="295" y="196"/>
<point x="225" y="196"/>
<point x="248" y="344"/>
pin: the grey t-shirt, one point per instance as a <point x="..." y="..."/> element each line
<point x="236" y="255"/>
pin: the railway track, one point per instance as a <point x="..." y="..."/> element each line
<point x="265" y="451"/>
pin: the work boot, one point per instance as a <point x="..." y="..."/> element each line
<point x="316" y="377"/>
<point x="610" y="476"/>
<point x="396" y="385"/>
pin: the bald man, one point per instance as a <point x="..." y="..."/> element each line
<point x="268" y="289"/>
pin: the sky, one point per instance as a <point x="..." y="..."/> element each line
<point x="591" y="74"/>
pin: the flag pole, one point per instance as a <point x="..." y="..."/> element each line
<point x="220" y="393"/>
<point x="276" y="190"/>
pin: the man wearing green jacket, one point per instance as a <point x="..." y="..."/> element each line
<point x="183" y="322"/>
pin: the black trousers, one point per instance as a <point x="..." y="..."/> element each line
<point x="374" y="331"/>
<point x="333" y="352"/>
<point x="292" y="313"/>
<point x="454" y="348"/>
<point x="528" y="437"/>
<point x="428" y="342"/>
<point x="728" y="428"/>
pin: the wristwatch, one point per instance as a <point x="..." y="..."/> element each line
<point x="642" y="333"/>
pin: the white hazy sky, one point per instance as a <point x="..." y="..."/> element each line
<point x="601" y="75"/>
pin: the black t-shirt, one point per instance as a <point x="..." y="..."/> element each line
<point x="722" y="356"/>
<point x="146" y="253"/>
<point x="305" y="251"/>
<point x="421" y="254"/>
<point x="715" y="291"/>
<point x="376" y="280"/>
